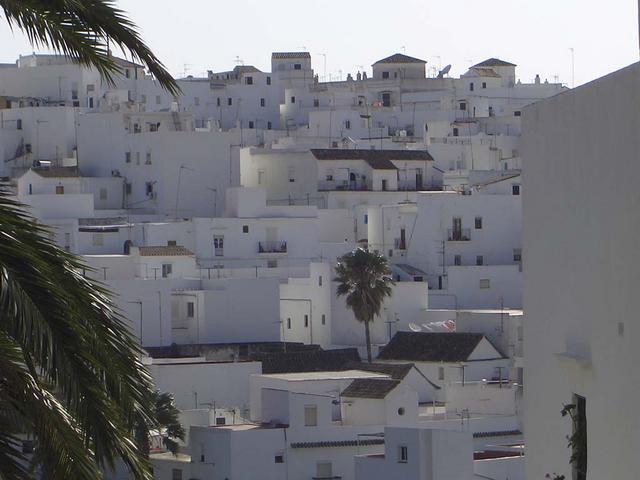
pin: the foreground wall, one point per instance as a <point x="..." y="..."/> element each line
<point x="581" y="274"/>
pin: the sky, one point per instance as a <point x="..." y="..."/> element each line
<point x="544" y="37"/>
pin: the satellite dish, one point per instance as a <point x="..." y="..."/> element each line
<point x="444" y="71"/>
<point x="414" y="328"/>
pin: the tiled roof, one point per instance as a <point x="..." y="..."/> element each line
<point x="485" y="72"/>
<point x="409" y="269"/>
<point x="103" y="222"/>
<point x="397" y="371"/>
<point x="164" y="251"/>
<point x="399" y="58"/>
<point x="307" y="361"/>
<point x="369" y="155"/>
<point x="338" y="443"/>
<point x="125" y="63"/>
<point x="285" y="55"/>
<point x="431" y="347"/>
<point x="57" y="172"/>
<point x="240" y="69"/>
<point x="370" y="388"/>
<point x="494" y="62"/>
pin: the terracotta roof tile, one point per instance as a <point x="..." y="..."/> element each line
<point x="165" y="251"/>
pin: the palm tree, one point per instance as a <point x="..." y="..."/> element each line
<point x="84" y="30"/>
<point x="364" y="279"/>
<point x="166" y="421"/>
<point x="70" y="373"/>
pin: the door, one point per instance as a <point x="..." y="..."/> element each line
<point x="402" y="239"/>
<point x="418" y="179"/>
<point x="456" y="232"/>
<point x="384" y="185"/>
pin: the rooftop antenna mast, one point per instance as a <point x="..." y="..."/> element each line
<point x="324" y="73"/>
<point x="239" y="61"/>
<point x="573" y="68"/>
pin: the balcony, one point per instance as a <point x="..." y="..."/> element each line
<point x="272" y="247"/>
<point x="459" y="235"/>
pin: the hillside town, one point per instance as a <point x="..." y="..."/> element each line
<point x="217" y="217"/>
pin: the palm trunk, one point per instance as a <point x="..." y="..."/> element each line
<point x="367" y="337"/>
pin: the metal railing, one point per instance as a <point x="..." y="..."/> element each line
<point x="459" y="234"/>
<point x="272" y="247"/>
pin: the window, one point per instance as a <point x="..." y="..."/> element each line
<point x="386" y="99"/>
<point x="320" y="280"/>
<point x="218" y="245"/>
<point x="385" y="74"/>
<point x="402" y="454"/>
<point x="310" y="415"/>
<point x="515" y="189"/>
<point x="293" y="99"/>
<point x="245" y="229"/>
<point x="278" y="459"/>
<point x="440" y="373"/>
<point x="455" y="132"/>
<point x="190" y="309"/>
<point x="19" y="124"/>
<point x="457" y="260"/>
<point x="59" y="189"/>
<point x="347" y="124"/>
<point x="272" y="264"/>
<point x="229" y="101"/>
<point x="479" y="260"/>
<point x="251" y="124"/>
<point x="268" y="80"/>
<point x="292" y="174"/>
<point x="366" y="219"/>
<point x="127" y="157"/>
<point x="127" y="73"/>
<point x="517" y="254"/>
<point x="401" y="411"/>
<point x="172" y="243"/>
<point x="288" y="323"/>
<point x="324" y="319"/>
<point x="463" y="105"/>
<point x="149" y="189"/>
<point x="268" y="125"/>
<point x="221" y="421"/>
<point x="263" y="102"/>
<point x="471" y="87"/>
<point x="306" y="321"/>
<point x="316" y="102"/>
<point x="103" y="194"/>
<point x="517" y="113"/>
<point x="248" y="80"/>
<point x="478" y="223"/>
<point x="218" y="101"/>
<point x="324" y="470"/>
<point x="297" y="66"/>
<point x="148" y="159"/>
<point x="176" y="473"/>
<point x="485" y="283"/>
<point x="484" y="84"/>
<point x="98" y="239"/>
<point x="128" y="188"/>
<point x="167" y="269"/>
<point x="261" y="174"/>
<point x="158" y="100"/>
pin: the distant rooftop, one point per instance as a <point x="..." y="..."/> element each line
<point x="340" y="375"/>
<point x="485" y="72"/>
<point x="431" y="346"/>
<point x="165" y="251"/>
<point x="377" y="159"/>
<point x="377" y="388"/>
<point x="307" y="360"/>
<point x="285" y="55"/>
<point x="399" y="58"/>
<point x="494" y="62"/>
<point x="57" y="172"/>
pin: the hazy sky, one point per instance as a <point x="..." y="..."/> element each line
<point x="536" y="35"/>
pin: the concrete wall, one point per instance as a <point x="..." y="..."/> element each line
<point x="581" y="271"/>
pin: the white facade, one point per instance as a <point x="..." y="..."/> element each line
<point x="580" y="275"/>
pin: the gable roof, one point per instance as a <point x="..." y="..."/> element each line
<point x="285" y="55"/>
<point x="164" y="251"/>
<point x="122" y="62"/>
<point x="376" y="158"/>
<point x="370" y="388"/>
<point x="494" y="62"/>
<point x="431" y="346"/>
<point x="399" y="58"/>
<point x="307" y="361"/>
<point x="397" y="371"/>
<point x="497" y="180"/>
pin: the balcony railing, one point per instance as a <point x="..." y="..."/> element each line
<point x="459" y="235"/>
<point x="272" y="247"/>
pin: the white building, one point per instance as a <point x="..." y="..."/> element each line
<point x="580" y="231"/>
